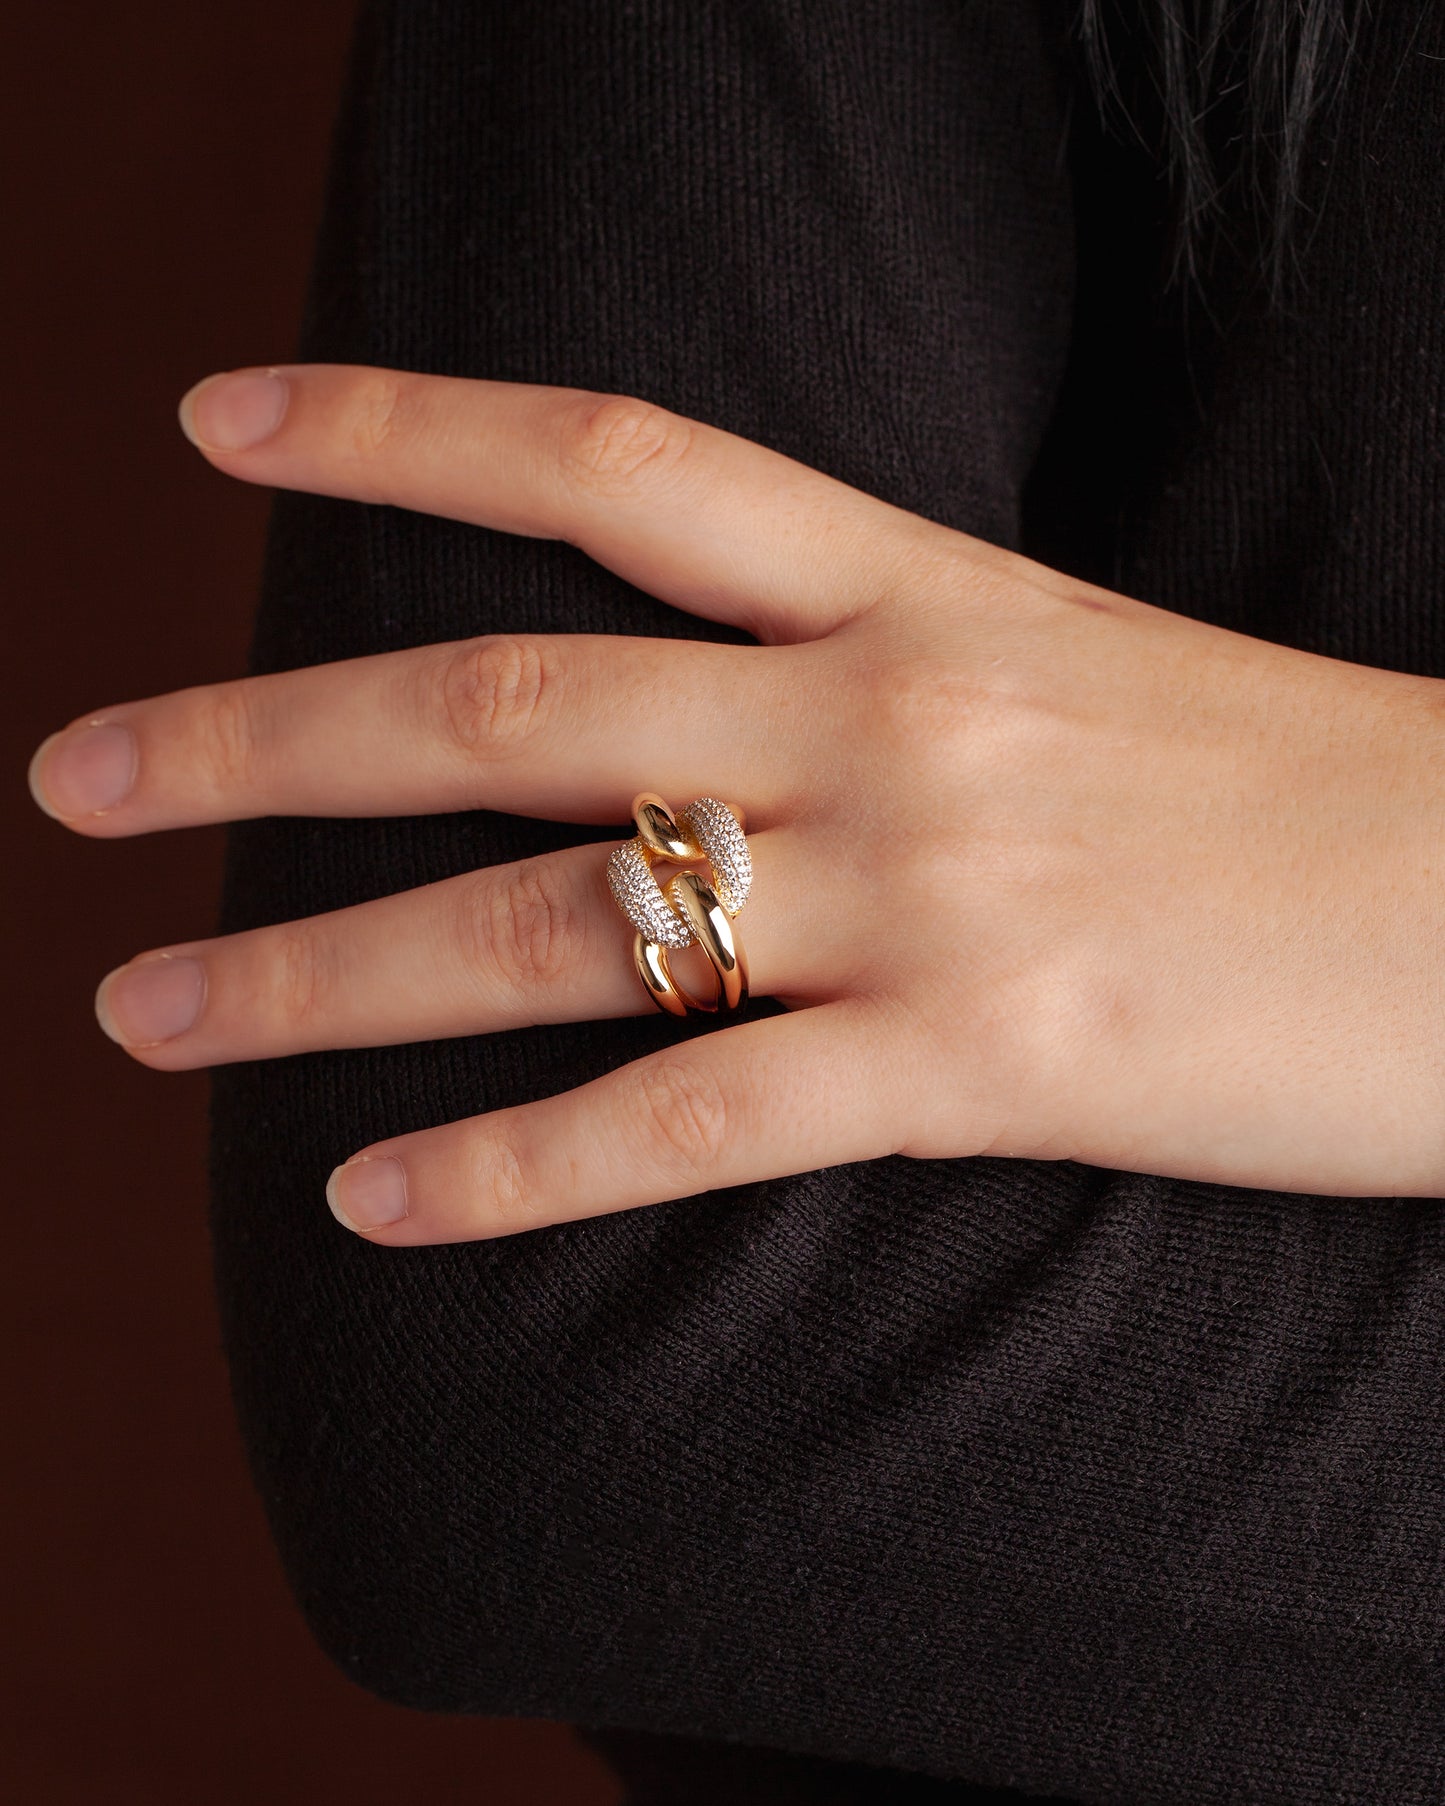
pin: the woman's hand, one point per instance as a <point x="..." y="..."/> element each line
<point x="1040" y="870"/>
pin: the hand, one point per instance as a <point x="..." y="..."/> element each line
<point x="1039" y="870"/>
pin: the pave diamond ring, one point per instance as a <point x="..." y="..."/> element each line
<point x="687" y="908"/>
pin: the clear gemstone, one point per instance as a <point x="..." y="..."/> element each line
<point x="629" y="876"/>
<point x="723" y="842"/>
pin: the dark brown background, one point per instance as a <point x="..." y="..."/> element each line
<point x="164" y="164"/>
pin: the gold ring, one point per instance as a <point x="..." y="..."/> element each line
<point x="688" y="908"/>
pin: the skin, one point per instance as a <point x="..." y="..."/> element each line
<point x="1040" y="870"/>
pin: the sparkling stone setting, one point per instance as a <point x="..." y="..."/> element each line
<point x="724" y="845"/>
<point x="639" y="896"/>
<point x="715" y="829"/>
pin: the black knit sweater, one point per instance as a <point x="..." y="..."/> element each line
<point x="1098" y="1485"/>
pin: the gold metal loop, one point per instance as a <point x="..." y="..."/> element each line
<point x="695" y="898"/>
<point x="661" y="830"/>
<point x="689" y="908"/>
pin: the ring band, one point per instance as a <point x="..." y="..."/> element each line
<point x="688" y="909"/>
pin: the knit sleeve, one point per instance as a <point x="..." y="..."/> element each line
<point x="1018" y="1472"/>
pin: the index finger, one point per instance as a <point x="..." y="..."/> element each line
<point x="697" y="516"/>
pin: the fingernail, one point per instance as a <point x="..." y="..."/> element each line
<point x="368" y="1192"/>
<point x="234" y="411"/>
<point x="150" y="1001"/>
<point x="84" y="770"/>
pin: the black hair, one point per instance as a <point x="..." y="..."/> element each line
<point x="1226" y="94"/>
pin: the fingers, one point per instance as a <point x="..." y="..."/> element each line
<point x="562" y="726"/>
<point x="535" y="940"/>
<point x="694" y="515"/>
<point x="758" y="1100"/>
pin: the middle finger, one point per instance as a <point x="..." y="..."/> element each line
<point x="558" y="726"/>
<point x="535" y="940"/>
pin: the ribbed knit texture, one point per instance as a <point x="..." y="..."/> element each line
<point x="1097" y="1485"/>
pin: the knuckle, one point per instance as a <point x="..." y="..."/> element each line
<point x="520" y="926"/>
<point x="683" y="1116"/>
<point x="1038" y="1026"/>
<point x="381" y="414"/>
<point x="508" y="1194"/>
<point x="611" y="443"/>
<point x="954" y="725"/>
<point x="302" y="978"/>
<point x="1083" y="1005"/>
<point x="230" y="738"/>
<point x="494" y="691"/>
<point x="924" y="699"/>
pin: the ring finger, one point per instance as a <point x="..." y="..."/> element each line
<point x="534" y="940"/>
